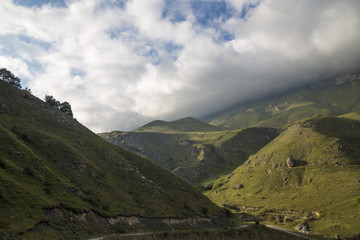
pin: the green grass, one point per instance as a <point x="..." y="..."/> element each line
<point x="324" y="183"/>
<point x="279" y="111"/>
<point x="352" y="115"/>
<point x="49" y="160"/>
<point x="188" y="124"/>
<point x="195" y="156"/>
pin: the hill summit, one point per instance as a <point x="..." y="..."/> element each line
<point x="188" y="124"/>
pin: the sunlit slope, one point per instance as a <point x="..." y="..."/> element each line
<point x="50" y="161"/>
<point x="323" y="188"/>
<point x="188" y="124"/>
<point x="195" y="156"/>
<point x="278" y="111"/>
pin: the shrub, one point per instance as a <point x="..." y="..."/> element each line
<point x="2" y="163"/>
<point x="204" y="210"/>
<point x="9" y="77"/>
<point x="227" y="212"/>
<point x="28" y="171"/>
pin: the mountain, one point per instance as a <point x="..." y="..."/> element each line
<point x="188" y="124"/>
<point x="333" y="98"/>
<point x="194" y="156"/>
<point x="58" y="180"/>
<point x="310" y="172"/>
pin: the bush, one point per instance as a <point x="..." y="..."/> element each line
<point x="228" y="212"/>
<point x="28" y="171"/>
<point x="7" y="76"/>
<point x="2" y="164"/>
<point x="204" y="210"/>
<point x="64" y="107"/>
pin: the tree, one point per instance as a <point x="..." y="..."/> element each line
<point x="66" y="108"/>
<point x="28" y="90"/>
<point x="7" y="76"/>
<point x="52" y="101"/>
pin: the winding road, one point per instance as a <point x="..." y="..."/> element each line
<point x="185" y="231"/>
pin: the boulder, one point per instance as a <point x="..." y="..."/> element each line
<point x="302" y="227"/>
<point x="290" y="162"/>
<point x="239" y="186"/>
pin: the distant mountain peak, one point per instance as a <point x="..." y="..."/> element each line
<point x="188" y="124"/>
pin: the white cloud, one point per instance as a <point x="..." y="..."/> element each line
<point x="122" y="67"/>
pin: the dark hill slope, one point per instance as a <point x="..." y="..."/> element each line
<point x="188" y="124"/>
<point x="323" y="188"/>
<point x="278" y="111"/>
<point x="57" y="177"/>
<point x="195" y="156"/>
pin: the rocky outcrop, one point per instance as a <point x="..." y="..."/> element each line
<point x="290" y="162"/>
<point x="302" y="227"/>
<point x="239" y="186"/>
<point x="191" y="157"/>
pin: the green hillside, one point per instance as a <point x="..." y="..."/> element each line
<point x="195" y="156"/>
<point x="321" y="189"/>
<point x="58" y="180"/>
<point x="279" y="111"/>
<point x="188" y="124"/>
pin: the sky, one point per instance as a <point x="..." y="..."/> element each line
<point x="123" y="63"/>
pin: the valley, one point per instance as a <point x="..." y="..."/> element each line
<point x="179" y="120"/>
<point x="194" y="155"/>
<point x="247" y="170"/>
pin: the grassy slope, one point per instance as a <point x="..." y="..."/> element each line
<point x="188" y="124"/>
<point x="325" y="183"/>
<point x="48" y="160"/>
<point x="281" y="110"/>
<point x="195" y="156"/>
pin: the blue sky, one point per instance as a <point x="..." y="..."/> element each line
<point x="123" y="63"/>
<point x="40" y="3"/>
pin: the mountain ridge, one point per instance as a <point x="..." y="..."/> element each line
<point x="310" y="172"/>
<point x="56" y="175"/>
<point x="195" y="155"/>
<point x="334" y="98"/>
<point x="188" y="124"/>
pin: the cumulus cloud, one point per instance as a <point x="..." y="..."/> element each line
<point x="123" y="63"/>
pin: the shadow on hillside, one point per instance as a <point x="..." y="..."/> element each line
<point x="300" y="162"/>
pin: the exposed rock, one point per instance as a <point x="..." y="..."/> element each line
<point x="302" y="227"/>
<point x="195" y="150"/>
<point x="207" y="186"/>
<point x="290" y="162"/>
<point x="280" y="218"/>
<point x="228" y="177"/>
<point x="288" y="219"/>
<point x="183" y="142"/>
<point x="245" y="217"/>
<point x="285" y="178"/>
<point x="275" y="165"/>
<point x="239" y="186"/>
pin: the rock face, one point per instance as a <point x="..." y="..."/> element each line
<point x="190" y="157"/>
<point x="290" y="162"/>
<point x="302" y="227"/>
